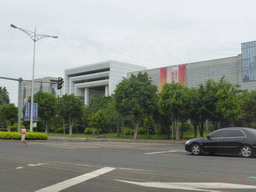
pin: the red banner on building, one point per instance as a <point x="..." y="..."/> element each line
<point x="176" y="73"/>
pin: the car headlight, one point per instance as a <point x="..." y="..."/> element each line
<point x="188" y="142"/>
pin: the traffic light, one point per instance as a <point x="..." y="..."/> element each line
<point x="60" y="81"/>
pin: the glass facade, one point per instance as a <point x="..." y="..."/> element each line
<point x="249" y="60"/>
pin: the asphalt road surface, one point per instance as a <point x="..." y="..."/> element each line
<point x="51" y="166"/>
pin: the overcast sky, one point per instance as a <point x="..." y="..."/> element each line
<point x="151" y="33"/>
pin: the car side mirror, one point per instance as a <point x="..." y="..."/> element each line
<point x="208" y="137"/>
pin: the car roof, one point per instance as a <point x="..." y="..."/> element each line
<point x="232" y="128"/>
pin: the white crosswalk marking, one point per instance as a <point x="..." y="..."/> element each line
<point x="76" y="180"/>
<point x="191" y="185"/>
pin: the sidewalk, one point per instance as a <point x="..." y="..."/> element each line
<point x="77" y="139"/>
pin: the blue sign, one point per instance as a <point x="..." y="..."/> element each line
<point x="35" y="111"/>
<point x="28" y="111"/>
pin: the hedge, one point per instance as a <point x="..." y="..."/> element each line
<point x="29" y="135"/>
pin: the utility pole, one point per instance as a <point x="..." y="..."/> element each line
<point x="35" y="37"/>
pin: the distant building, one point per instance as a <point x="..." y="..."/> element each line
<point x="240" y="69"/>
<point x="100" y="78"/>
<point x="103" y="77"/>
<point x="46" y="84"/>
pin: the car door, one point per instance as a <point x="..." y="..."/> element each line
<point x="220" y="141"/>
<point x="211" y="143"/>
<point x="232" y="141"/>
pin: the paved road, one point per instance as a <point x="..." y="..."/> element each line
<point x="62" y="165"/>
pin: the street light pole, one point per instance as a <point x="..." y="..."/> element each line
<point x="35" y="37"/>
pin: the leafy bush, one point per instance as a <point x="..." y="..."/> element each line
<point x="14" y="128"/>
<point x="36" y="136"/>
<point x="149" y="122"/>
<point x="3" y="129"/>
<point x="128" y="131"/>
<point x="60" y="130"/>
<point x="188" y="127"/>
<point x="29" y="135"/>
<point x="142" y="131"/>
<point x="90" y="131"/>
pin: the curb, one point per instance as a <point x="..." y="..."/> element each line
<point x="112" y="140"/>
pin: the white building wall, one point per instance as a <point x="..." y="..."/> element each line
<point x="100" y="78"/>
<point x="118" y="70"/>
<point x="199" y="72"/>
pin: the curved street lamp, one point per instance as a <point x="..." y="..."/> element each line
<point x="35" y="37"/>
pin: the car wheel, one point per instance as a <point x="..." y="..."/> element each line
<point x="196" y="149"/>
<point x="246" y="151"/>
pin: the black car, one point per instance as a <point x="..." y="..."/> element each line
<point x="227" y="140"/>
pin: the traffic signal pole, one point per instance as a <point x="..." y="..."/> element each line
<point x="19" y="105"/>
<point x="19" y="96"/>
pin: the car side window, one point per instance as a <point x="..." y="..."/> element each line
<point x="234" y="133"/>
<point x="217" y="134"/>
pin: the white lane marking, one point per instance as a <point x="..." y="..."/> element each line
<point x="161" y="152"/>
<point x="76" y="180"/>
<point x="133" y="169"/>
<point x="33" y="165"/>
<point x="191" y="186"/>
<point x="19" y="167"/>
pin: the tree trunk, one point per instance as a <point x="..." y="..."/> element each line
<point x="136" y="129"/>
<point x="123" y="127"/>
<point x="9" y="126"/>
<point x="182" y="128"/>
<point x="168" y="132"/>
<point x="118" y="127"/>
<point x="202" y="129"/>
<point x="70" y="127"/>
<point x="64" y="127"/>
<point x="147" y="131"/>
<point x="195" y="130"/>
<point x="46" y="127"/>
<point x="215" y="125"/>
<point x="206" y="125"/>
<point x="177" y="129"/>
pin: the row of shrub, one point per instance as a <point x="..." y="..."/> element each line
<point x="29" y="135"/>
<point x="90" y="131"/>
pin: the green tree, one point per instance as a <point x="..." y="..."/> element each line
<point x="46" y="107"/>
<point x="99" y="120"/>
<point x="71" y="108"/>
<point x="228" y="104"/>
<point x="113" y="116"/>
<point x="134" y="96"/>
<point x="162" y="120"/>
<point x="4" y="96"/>
<point x="173" y="100"/>
<point x="212" y="102"/>
<point x="4" y="99"/>
<point x="195" y="114"/>
<point x="9" y="111"/>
